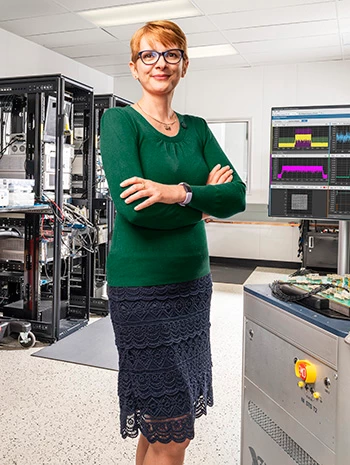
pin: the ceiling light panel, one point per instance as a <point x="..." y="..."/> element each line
<point x="211" y="51"/>
<point x="140" y="12"/>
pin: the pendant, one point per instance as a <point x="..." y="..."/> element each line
<point x="167" y="127"/>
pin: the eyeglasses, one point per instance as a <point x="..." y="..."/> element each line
<point x="151" y="57"/>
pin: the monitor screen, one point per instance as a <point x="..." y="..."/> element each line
<point x="310" y="162"/>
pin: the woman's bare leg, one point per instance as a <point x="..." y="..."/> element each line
<point x="141" y="450"/>
<point x="166" y="454"/>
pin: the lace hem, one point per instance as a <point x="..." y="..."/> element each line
<point x="164" y="430"/>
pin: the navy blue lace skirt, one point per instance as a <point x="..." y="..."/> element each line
<point x="162" y="336"/>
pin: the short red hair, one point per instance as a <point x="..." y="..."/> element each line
<point x="165" y="32"/>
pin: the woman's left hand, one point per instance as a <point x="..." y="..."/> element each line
<point x="154" y="192"/>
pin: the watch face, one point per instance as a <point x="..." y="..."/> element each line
<point x="187" y="187"/>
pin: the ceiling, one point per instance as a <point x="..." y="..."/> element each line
<point x="262" y="31"/>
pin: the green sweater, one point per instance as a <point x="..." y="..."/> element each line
<point x="163" y="244"/>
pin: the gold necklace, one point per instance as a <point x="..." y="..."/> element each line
<point x="167" y="126"/>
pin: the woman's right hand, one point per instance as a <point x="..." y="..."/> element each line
<point x="220" y="175"/>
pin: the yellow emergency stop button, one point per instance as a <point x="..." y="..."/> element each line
<point x="306" y="371"/>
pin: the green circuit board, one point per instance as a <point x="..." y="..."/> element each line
<point x="338" y="294"/>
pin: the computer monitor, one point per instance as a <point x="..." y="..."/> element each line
<point x="310" y="162"/>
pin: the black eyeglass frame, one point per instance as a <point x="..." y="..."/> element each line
<point x="182" y="52"/>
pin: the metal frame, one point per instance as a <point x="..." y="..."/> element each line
<point x="36" y="88"/>
<point x="102" y="102"/>
<point x="249" y="123"/>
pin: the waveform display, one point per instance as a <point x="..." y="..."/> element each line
<point x="301" y="138"/>
<point x="302" y="169"/>
<point x="340" y="139"/>
<point x="343" y="138"/>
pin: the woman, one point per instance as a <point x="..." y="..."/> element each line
<point x="165" y="172"/>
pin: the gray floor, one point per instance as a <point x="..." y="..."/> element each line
<point x="60" y="413"/>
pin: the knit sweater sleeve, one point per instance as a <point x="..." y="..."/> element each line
<point x="220" y="200"/>
<point x="120" y="156"/>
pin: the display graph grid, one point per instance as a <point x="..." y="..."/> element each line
<point x="340" y="171"/>
<point x="300" y="138"/>
<point x="342" y="202"/>
<point x="300" y="170"/>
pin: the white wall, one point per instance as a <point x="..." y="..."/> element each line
<point x="20" y="57"/>
<point x="250" y="93"/>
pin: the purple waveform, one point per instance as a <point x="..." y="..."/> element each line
<point x="303" y="131"/>
<point x="303" y="143"/>
<point x="302" y="169"/>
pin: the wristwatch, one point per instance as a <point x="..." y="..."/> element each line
<point x="188" y="197"/>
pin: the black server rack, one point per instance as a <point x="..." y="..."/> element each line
<point x="103" y="209"/>
<point x="45" y="270"/>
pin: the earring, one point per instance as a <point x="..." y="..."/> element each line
<point x="136" y="77"/>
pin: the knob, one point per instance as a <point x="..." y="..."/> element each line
<point x="301" y="384"/>
<point x="316" y="395"/>
<point x="327" y="382"/>
<point x="306" y="371"/>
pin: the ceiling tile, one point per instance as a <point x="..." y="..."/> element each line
<point x="79" y="5"/>
<point x="124" y="32"/>
<point x="206" y="38"/>
<point x="108" y="48"/>
<point x="346" y="38"/>
<point x="104" y="60"/>
<point x="344" y="24"/>
<point x="46" y="24"/>
<point x="216" y="62"/>
<point x="295" y="56"/>
<point x="63" y="39"/>
<point x="16" y="9"/>
<point x="285" y="31"/>
<point x="288" y="44"/>
<point x="114" y="70"/>
<point x="195" y="24"/>
<point x="343" y="8"/>
<point x="285" y="15"/>
<point x="228" y="6"/>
